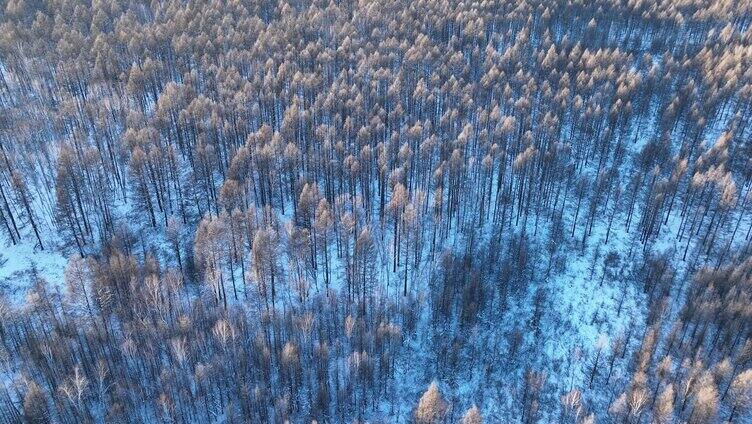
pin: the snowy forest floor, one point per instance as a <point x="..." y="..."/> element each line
<point x="570" y="307"/>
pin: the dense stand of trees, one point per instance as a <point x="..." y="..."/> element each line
<point x="360" y="211"/>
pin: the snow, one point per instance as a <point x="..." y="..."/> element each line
<point x="584" y="310"/>
<point x="17" y="263"/>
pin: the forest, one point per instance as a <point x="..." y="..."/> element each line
<point x="376" y="211"/>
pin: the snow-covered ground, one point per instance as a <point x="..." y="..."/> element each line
<point x="585" y="308"/>
<point x="17" y="264"/>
